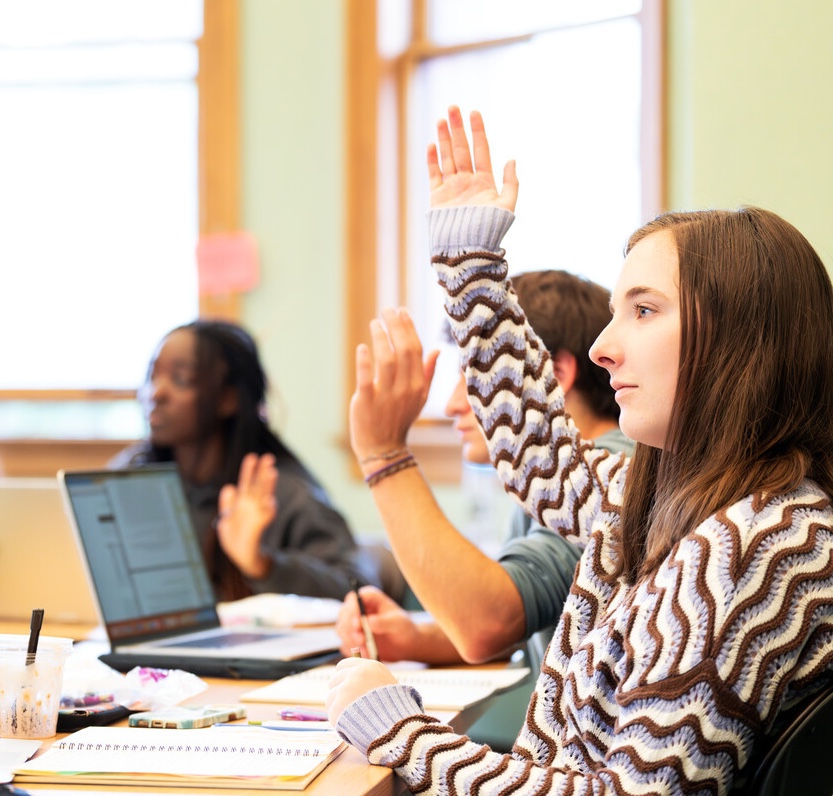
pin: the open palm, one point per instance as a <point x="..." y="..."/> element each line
<point x="460" y="175"/>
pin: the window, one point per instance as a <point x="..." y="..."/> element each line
<point x="570" y="89"/>
<point x="105" y="152"/>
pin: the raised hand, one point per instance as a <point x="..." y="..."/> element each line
<point x="245" y="510"/>
<point x="391" y="386"/>
<point x="458" y="175"/>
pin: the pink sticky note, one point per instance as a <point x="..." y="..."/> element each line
<point x="227" y="262"/>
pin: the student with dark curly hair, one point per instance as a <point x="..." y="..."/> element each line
<point x="265" y="521"/>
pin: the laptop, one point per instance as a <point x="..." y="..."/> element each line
<point x="144" y="562"/>
<point x="38" y="556"/>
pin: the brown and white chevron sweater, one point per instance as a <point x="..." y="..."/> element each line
<point x="662" y="687"/>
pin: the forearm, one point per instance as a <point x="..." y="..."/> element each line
<point x="435" y="647"/>
<point x="470" y="596"/>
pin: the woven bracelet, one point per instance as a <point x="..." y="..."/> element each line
<point x="386" y="456"/>
<point x="391" y="469"/>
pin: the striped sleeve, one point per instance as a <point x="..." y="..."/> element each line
<point x="556" y="476"/>
<point x="661" y="688"/>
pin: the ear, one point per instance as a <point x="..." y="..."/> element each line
<point x="565" y="366"/>
<point x="228" y="404"/>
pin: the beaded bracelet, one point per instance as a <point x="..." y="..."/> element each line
<point x="387" y="455"/>
<point x="391" y="469"/>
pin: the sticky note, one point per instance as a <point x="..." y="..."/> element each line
<point x="227" y="262"/>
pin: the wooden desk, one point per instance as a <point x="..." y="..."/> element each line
<point x="348" y="775"/>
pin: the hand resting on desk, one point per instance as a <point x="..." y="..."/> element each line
<point x="353" y="678"/>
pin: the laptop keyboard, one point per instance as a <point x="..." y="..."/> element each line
<point x="224" y="640"/>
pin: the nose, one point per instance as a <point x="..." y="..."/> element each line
<point x="153" y="389"/>
<point x="458" y="402"/>
<point x="604" y="351"/>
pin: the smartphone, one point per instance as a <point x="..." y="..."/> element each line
<point x="187" y="718"/>
<point x="74" y="718"/>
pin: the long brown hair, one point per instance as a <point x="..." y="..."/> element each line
<point x="753" y="410"/>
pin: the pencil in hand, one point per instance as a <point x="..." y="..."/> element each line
<point x="369" y="641"/>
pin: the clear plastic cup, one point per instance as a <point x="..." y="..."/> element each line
<point x="30" y="693"/>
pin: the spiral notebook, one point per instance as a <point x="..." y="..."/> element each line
<point x="441" y="689"/>
<point x="215" y="757"/>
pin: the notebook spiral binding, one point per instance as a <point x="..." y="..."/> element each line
<point x="213" y="748"/>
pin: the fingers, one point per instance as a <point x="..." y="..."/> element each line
<point x="405" y="346"/>
<point x="429" y="368"/>
<point x="348" y="624"/>
<point x="453" y="147"/>
<point x="258" y="476"/>
<point x="455" y="155"/>
<point x="383" y="355"/>
<point x="226" y="500"/>
<point x="265" y="476"/>
<point x="247" y="471"/>
<point x="444" y="145"/>
<point x="364" y="369"/>
<point x="435" y="175"/>
<point x="509" y="192"/>
<point x="397" y="355"/>
<point x="375" y="600"/>
<point x="453" y="179"/>
<point x="480" y="143"/>
<point x="459" y="140"/>
<point x="347" y="684"/>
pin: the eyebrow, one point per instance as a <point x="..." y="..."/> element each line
<point x="640" y="290"/>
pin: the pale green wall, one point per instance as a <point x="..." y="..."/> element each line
<point x="292" y="111"/>
<point x="751" y="109"/>
<point x="750" y="122"/>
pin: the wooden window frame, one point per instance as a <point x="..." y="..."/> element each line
<point x="433" y="441"/>
<point x="218" y="86"/>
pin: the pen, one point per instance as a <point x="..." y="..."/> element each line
<point x="299" y="714"/>
<point x="278" y="727"/>
<point x="368" y="633"/>
<point x="34" y="634"/>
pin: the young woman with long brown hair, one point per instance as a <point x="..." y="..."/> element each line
<point x="702" y="608"/>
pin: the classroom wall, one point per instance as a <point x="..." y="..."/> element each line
<point x="750" y="120"/>
<point x="750" y="104"/>
<point x="292" y="112"/>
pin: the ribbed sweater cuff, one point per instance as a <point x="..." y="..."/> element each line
<point x="456" y="230"/>
<point x="373" y="715"/>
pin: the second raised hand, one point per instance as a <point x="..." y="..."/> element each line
<point x="455" y="178"/>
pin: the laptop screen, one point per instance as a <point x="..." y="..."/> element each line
<point x="142" y="554"/>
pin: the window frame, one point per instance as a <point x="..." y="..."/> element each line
<point x="218" y="87"/>
<point x="369" y="77"/>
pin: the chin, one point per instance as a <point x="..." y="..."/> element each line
<point x="473" y="455"/>
<point x="159" y="441"/>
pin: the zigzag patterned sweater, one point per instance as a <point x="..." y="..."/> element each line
<point x="662" y="687"/>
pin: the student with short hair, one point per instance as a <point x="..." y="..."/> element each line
<point x="483" y="606"/>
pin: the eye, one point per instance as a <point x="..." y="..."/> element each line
<point x="184" y="378"/>
<point x="643" y="311"/>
